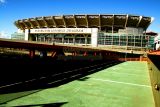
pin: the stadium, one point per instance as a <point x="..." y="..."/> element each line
<point x="99" y="30"/>
<point x="81" y="79"/>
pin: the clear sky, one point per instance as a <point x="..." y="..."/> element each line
<point x="12" y="10"/>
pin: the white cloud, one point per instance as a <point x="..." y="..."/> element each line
<point x="2" y="1"/>
<point x="3" y="34"/>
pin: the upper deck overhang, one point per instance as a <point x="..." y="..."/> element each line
<point x="85" y="21"/>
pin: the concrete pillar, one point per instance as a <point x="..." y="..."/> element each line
<point x="36" y="38"/>
<point x="74" y="39"/>
<point x="74" y="53"/>
<point x="86" y="39"/>
<point x="94" y="37"/>
<point x="31" y="53"/>
<point x="26" y="37"/>
<point x="44" y="38"/>
<point x="63" y="39"/>
<point x="85" y="54"/>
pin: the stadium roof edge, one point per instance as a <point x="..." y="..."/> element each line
<point x="103" y="20"/>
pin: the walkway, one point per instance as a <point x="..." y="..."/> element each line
<point x="123" y="85"/>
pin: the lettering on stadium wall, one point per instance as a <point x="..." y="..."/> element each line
<point x="61" y="30"/>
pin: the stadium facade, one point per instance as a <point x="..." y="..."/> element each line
<point x="102" y="30"/>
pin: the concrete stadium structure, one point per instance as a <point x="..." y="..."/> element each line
<point x="99" y="30"/>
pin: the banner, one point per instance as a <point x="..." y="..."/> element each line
<point x="62" y="30"/>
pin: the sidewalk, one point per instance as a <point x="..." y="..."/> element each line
<point x="123" y="85"/>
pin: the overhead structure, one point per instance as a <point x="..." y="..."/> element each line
<point x="123" y="30"/>
<point x="101" y="21"/>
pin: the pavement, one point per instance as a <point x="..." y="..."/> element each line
<point x="124" y="85"/>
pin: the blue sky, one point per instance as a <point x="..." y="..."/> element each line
<point x="12" y="10"/>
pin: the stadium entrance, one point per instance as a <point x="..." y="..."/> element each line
<point x="82" y="36"/>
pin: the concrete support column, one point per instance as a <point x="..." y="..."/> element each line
<point x="36" y="38"/>
<point x="31" y="53"/>
<point x="44" y="38"/>
<point x="94" y="37"/>
<point x="74" y="53"/>
<point x="74" y="39"/>
<point x="112" y="36"/>
<point x="63" y="39"/>
<point x="85" y="41"/>
<point x="85" y="54"/>
<point x="53" y="39"/>
<point x="26" y="37"/>
<point x="127" y="42"/>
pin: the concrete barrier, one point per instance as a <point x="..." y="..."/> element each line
<point x="154" y="71"/>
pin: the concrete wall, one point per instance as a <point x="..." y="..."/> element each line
<point x="154" y="71"/>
